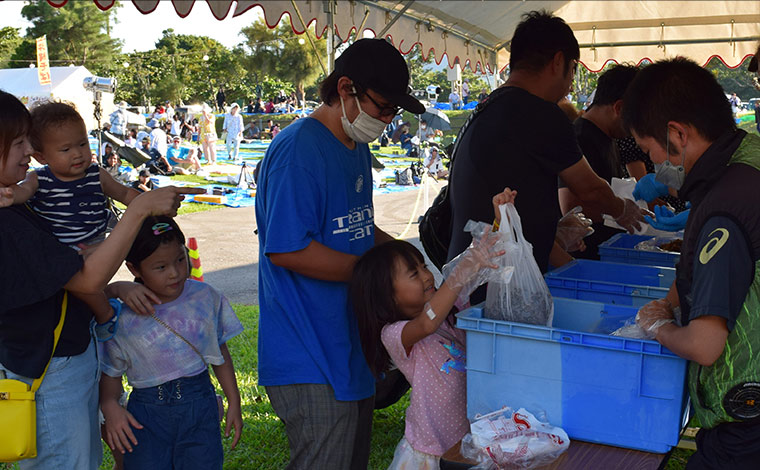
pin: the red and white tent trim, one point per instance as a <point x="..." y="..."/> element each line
<point x="477" y="32"/>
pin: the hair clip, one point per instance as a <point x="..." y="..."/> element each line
<point x="160" y="228"/>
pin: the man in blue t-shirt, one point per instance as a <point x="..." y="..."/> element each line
<point x="315" y="218"/>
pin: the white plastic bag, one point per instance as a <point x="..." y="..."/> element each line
<point x="508" y="439"/>
<point x="524" y="297"/>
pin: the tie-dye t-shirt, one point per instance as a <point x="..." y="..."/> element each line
<point x="437" y="415"/>
<point x="150" y="354"/>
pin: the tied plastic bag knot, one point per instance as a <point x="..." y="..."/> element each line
<point x="508" y="439"/>
<point x="522" y="297"/>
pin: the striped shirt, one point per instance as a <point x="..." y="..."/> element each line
<point x="74" y="211"/>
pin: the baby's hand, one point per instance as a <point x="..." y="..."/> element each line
<point x="6" y="197"/>
<point x="234" y="418"/>
<point x="503" y="197"/>
<point x="119" y="423"/>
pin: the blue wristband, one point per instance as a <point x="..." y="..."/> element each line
<point x="107" y="330"/>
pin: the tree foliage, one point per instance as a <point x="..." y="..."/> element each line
<point x="9" y="41"/>
<point x="279" y="52"/>
<point x="77" y="33"/>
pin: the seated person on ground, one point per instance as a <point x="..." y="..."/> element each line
<point x="434" y="164"/>
<point x="182" y="158"/>
<point x="143" y="183"/>
<point x="158" y="163"/>
<point x="251" y="131"/>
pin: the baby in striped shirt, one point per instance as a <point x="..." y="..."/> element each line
<point x="69" y="193"/>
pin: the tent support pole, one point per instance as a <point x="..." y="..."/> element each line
<point x="308" y="36"/>
<point x="395" y="18"/>
<point x="330" y="5"/>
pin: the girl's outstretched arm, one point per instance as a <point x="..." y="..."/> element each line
<point x="225" y="374"/>
<point x="473" y="263"/>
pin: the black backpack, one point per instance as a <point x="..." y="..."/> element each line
<point x="435" y="225"/>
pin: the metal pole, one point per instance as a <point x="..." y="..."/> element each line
<point x="395" y="18"/>
<point x="308" y="36"/>
<point x="330" y="5"/>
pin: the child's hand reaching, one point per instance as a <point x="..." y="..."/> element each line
<point x="503" y="197"/>
<point x="473" y="265"/>
<point x="118" y="427"/>
<point x="137" y="297"/>
<point x="234" y="419"/>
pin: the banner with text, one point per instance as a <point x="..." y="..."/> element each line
<point x="43" y="64"/>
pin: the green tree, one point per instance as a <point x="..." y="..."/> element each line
<point x="737" y="80"/>
<point x="77" y="33"/>
<point x="9" y="41"/>
<point x="281" y="53"/>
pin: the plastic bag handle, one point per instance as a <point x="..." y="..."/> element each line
<point x="514" y="218"/>
<point x="505" y="226"/>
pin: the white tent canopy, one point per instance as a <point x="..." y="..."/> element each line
<point x="478" y="32"/>
<point x="66" y="85"/>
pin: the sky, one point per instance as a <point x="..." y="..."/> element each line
<point x="140" y="32"/>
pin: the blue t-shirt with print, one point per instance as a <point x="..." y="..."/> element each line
<point x="175" y="155"/>
<point x="312" y="188"/>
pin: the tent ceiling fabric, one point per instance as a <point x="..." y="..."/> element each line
<point x="478" y="31"/>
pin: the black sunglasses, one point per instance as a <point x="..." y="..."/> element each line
<point x="384" y="110"/>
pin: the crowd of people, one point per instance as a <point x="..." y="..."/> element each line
<point x="340" y="299"/>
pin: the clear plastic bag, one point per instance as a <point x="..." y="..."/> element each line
<point x="508" y="439"/>
<point x="524" y="296"/>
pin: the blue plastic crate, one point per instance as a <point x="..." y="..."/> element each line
<point x="598" y="388"/>
<point x="621" y="249"/>
<point x="615" y="283"/>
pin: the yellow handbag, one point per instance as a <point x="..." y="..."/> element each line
<point x="18" y="412"/>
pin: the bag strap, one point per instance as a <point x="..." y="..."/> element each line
<point x="165" y="325"/>
<point x="56" y="336"/>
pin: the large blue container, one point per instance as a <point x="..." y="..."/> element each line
<point x="615" y="283"/>
<point x="598" y="388"/>
<point x="621" y="249"/>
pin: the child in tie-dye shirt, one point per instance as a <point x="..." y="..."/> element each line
<point x="172" y="417"/>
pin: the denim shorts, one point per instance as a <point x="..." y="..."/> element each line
<point x="68" y="434"/>
<point x="180" y="422"/>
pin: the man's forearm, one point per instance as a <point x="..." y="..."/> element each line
<point x="317" y="261"/>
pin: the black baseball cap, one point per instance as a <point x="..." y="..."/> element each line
<point x="375" y="64"/>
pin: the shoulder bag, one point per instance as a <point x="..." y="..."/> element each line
<point x="18" y="410"/>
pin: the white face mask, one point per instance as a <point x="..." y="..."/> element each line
<point x="668" y="174"/>
<point x="365" y="128"/>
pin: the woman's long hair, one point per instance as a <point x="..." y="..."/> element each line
<point x="372" y="295"/>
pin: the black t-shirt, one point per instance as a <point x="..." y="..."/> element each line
<point x="136" y="185"/>
<point x="34" y="267"/>
<point x="520" y="141"/>
<point x="599" y="149"/>
<point x="723" y="271"/>
<point x="601" y="152"/>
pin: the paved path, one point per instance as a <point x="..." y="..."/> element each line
<point x="229" y="249"/>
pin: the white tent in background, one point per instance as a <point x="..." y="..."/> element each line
<point x="479" y="31"/>
<point x="66" y="86"/>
